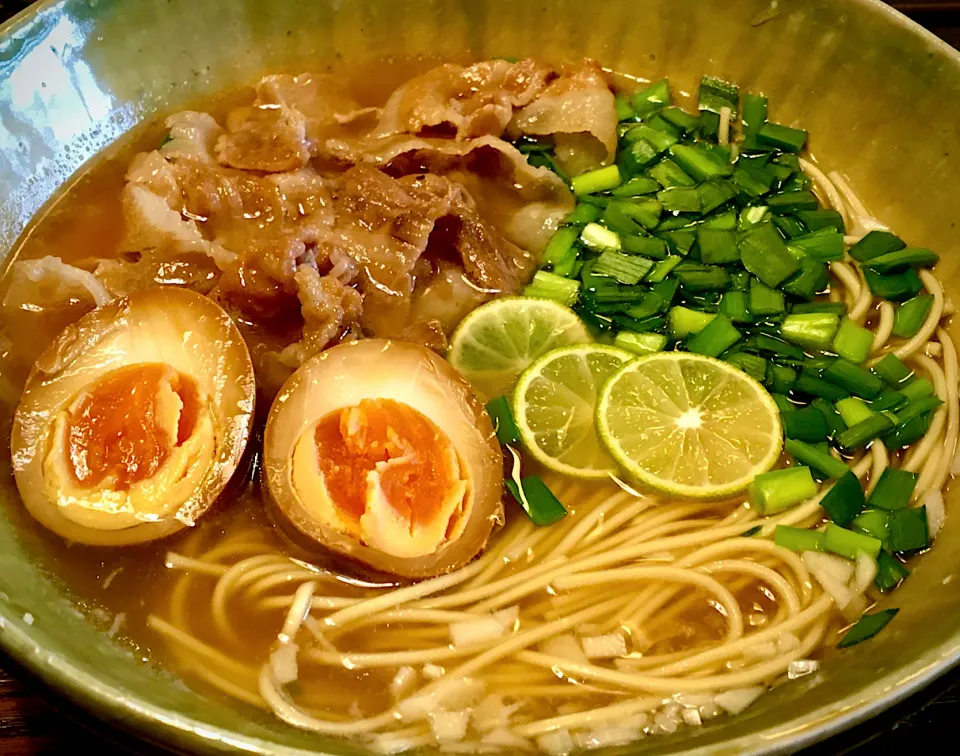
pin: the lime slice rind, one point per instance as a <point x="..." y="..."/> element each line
<point x="555" y="407"/>
<point x="688" y="425"/>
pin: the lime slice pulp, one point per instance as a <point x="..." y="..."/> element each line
<point x="555" y="406"/>
<point x="688" y="425"/>
<point x="495" y="343"/>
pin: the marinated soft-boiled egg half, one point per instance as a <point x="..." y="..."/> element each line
<point x="134" y="419"/>
<point x="381" y="452"/>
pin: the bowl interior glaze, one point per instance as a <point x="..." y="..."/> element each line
<point x="880" y="97"/>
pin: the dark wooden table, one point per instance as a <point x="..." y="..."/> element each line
<point x="34" y="721"/>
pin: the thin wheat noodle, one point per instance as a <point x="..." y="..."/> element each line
<point x="879" y="462"/>
<point x="848" y="277"/>
<point x="951" y="378"/>
<point x="884" y="327"/>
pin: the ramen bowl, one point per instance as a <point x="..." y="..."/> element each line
<point x="880" y="97"/>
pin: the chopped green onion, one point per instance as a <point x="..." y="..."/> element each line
<point x="650" y="100"/>
<point x="680" y="199"/>
<point x="917" y="407"/>
<point x="844" y="501"/>
<point x="733" y="304"/>
<point x="598" y="200"/>
<point x="894" y="489"/>
<point x="875" y="244"/>
<point x="814" y="329"/>
<point x="867" y="626"/>
<point x="917" y="389"/>
<point x="753" y="180"/>
<point x="816" y="458"/>
<point x="699" y="163"/>
<point x="551" y="286"/>
<point x="599" y="238"/>
<point x="888" y="399"/>
<point x="781" y="137"/>
<point x="753" y="216"/>
<point x="825" y="244"/>
<point x="754" y="112"/>
<point x="680" y="119"/>
<point x="560" y="246"/>
<point x="911" y="315"/>
<point x="503" y="422"/>
<point x="696" y="277"/>
<point x="792" y="202"/>
<point x="683" y="321"/>
<point x="847" y="543"/>
<point x="783" y="402"/>
<point x="645" y="325"/>
<point x="873" y="522"/>
<point x="668" y="174"/>
<point x="780" y="378"/>
<point x="660" y="140"/>
<point x="778" y="490"/>
<point x="831" y="415"/>
<point x="908" y="433"/>
<point x="907" y="530"/>
<point x="600" y="180"/>
<point x="908" y="257"/>
<point x="853" y="341"/>
<point x="853" y="410"/>
<point x="811" y="280"/>
<point x="751" y="364"/>
<point x="853" y="378"/>
<point x="715" y="94"/>
<point x="636" y="157"/>
<point x="812" y="385"/>
<point x="765" y="344"/>
<point x="617" y="220"/>
<point x="640" y="343"/>
<point x="635" y="187"/>
<point x="627" y="269"/>
<point x="764" y="254"/>
<point x="864" y="432"/>
<point x="725" y="221"/>
<point x="807" y="424"/>
<point x="764" y="300"/>
<point x="624" y="109"/>
<point x="717" y="247"/>
<point x="646" y="212"/>
<point x="714" y="193"/>
<point x="817" y="219"/>
<point x="583" y="214"/>
<point x="798" y="539"/>
<point x="790" y="227"/>
<point x="537" y="500"/>
<point x="837" y="308"/>
<point x="890" y="572"/>
<point x="893" y="286"/>
<point x="715" y="338"/>
<point x="663" y="268"/>
<point x="645" y="246"/>
<point x="892" y="369"/>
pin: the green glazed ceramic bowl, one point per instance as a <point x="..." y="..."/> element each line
<point x="880" y="97"/>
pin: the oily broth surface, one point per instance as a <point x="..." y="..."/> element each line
<point x="132" y="582"/>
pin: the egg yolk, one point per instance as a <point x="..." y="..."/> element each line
<point x="124" y="426"/>
<point x="411" y="455"/>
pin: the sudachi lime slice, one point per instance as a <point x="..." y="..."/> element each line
<point x="501" y="339"/>
<point x="688" y="425"/>
<point x="555" y="404"/>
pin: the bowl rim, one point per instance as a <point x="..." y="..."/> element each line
<point x="170" y="729"/>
